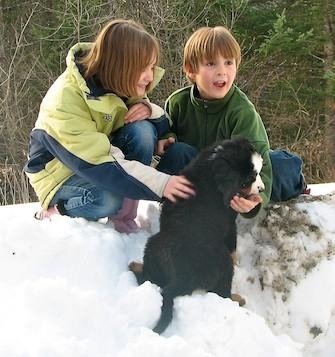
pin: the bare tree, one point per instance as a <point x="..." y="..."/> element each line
<point x="35" y="36"/>
<point x="329" y="66"/>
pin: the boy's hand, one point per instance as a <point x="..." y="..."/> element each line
<point x="136" y="112"/>
<point x="163" y="144"/>
<point x="178" y="187"/>
<point x="245" y="205"/>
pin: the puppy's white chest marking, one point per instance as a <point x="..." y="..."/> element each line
<point x="257" y="161"/>
<point x="258" y="184"/>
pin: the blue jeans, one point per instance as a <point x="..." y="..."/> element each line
<point x="79" y="198"/>
<point x="176" y="157"/>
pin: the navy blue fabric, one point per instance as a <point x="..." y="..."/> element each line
<point x="288" y="179"/>
<point x="161" y="124"/>
<point x="176" y="157"/>
<point x="109" y="176"/>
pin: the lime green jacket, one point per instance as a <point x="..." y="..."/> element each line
<point x="71" y="136"/>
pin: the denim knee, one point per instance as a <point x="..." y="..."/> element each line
<point x="104" y="204"/>
<point x="92" y="206"/>
<point x="176" y="157"/>
<point x="137" y="141"/>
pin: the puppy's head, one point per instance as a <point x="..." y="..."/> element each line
<point x="236" y="167"/>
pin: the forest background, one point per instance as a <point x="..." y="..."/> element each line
<point x="287" y="70"/>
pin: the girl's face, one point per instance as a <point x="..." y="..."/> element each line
<point x="215" y="78"/>
<point x="145" y="79"/>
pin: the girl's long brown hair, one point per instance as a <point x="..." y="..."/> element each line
<point x="120" y="53"/>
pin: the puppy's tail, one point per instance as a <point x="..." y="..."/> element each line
<point x="168" y="294"/>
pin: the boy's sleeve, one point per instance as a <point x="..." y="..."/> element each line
<point x="171" y="132"/>
<point x="247" y="123"/>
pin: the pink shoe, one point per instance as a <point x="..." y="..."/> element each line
<point x="125" y="226"/>
<point x="46" y="213"/>
<point x="124" y="220"/>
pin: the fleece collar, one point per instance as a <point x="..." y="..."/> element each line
<point x="210" y="106"/>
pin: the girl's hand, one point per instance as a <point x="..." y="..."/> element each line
<point x="245" y="205"/>
<point x="136" y="112"/>
<point x="163" y="144"/>
<point x="178" y="187"/>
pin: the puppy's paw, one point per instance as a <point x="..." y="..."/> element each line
<point x="135" y="267"/>
<point x="238" y="298"/>
<point x="234" y="259"/>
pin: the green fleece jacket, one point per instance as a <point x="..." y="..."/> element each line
<point x="200" y="123"/>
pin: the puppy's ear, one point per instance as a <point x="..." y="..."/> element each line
<point x="224" y="174"/>
<point x="227" y="188"/>
<point x="224" y="178"/>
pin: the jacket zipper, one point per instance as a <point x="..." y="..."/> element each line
<point x="206" y="122"/>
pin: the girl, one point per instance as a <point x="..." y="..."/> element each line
<point x="94" y="138"/>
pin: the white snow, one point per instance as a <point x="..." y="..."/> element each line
<point x="65" y="288"/>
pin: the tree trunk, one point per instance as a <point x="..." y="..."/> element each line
<point x="330" y="82"/>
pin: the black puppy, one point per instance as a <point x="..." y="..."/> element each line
<point x="193" y="249"/>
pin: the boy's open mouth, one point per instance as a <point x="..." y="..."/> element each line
<point x="220" y="84"/>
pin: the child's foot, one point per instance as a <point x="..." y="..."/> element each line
<point x="46" y="213"/>
<point x="129" y="226"/>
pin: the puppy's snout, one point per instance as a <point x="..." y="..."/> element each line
<point x="261" y="188"/>
<point x="259" y="184"/>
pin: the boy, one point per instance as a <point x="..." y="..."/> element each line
<point x="214" y="108"/>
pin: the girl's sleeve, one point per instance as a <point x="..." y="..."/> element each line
<point x="68" y="134"/>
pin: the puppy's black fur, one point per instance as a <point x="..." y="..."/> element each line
<point x="197" y="236"/>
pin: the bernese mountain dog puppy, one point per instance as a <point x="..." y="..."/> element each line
<point x="195" y="245"/>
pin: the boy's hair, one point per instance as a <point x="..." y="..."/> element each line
<point x="120" y="53"/>
<point x="206" y="44"/>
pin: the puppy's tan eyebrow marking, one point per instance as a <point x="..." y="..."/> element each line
<point x="216" y="150"/>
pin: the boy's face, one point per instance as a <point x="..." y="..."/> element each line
<point x="214" y="78"/>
